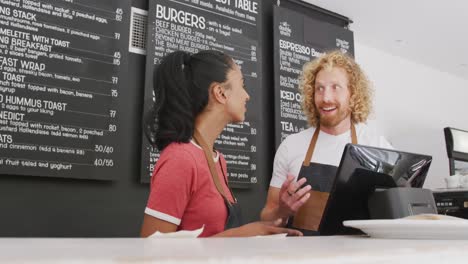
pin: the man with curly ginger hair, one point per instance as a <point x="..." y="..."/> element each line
<point x="336" y="98"/>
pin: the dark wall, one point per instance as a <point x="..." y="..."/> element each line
<point x="53" y="207"/>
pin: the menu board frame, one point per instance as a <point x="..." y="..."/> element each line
<point x="63" y="64"/>
<point x="231" y="26"/>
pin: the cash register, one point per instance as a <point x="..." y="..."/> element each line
<point x="454" y="201"/>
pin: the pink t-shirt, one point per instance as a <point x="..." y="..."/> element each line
<point x="183" y="192"/>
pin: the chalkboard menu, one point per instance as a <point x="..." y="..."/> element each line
<point x="297" y="40"/>
<point x="230" y="26"/>
<point x="60" y="80"/>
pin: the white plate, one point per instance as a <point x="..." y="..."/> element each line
<point x="412" y="228"/>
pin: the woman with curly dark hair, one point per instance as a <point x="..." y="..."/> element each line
<point x="196" y="97"/>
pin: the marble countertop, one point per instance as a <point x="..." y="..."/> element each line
<point x="334" y="249"/>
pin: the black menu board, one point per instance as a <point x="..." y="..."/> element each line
<point x="297" y="40"/>
<point x="230" y="26"/>
<point x="60" y="80"/>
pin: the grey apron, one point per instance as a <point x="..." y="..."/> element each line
<point x="234" y="218"/>
<point x="321" y="177"/>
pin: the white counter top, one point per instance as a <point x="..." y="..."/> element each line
<point x="337" y="249"/>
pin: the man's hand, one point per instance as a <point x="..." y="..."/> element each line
<point x="292" y="196"/>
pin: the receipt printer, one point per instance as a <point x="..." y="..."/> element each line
<point x="399" y="202"/>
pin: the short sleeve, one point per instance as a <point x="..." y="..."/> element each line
<point x="280" y="165"/>
<point x="172" y="185"/>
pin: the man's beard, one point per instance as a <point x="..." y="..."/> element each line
<point x="335" y="119"/>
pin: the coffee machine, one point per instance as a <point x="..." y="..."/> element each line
<point x="454" y="201"/>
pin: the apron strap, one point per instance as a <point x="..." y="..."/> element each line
<point x="313" y="141"/>
<point x="209" y="158"/>
<point x="310" y="150"/>
<point x="353" y="134"/>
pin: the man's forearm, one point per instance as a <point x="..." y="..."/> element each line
<point x="271" y="213"/>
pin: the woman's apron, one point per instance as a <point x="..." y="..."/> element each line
<point x="234" y="218"/>
<point x="321" y="178"/>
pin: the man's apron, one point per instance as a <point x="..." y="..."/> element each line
<point x="321" y="178"/>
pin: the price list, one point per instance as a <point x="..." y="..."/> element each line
<point x="230" y="26"/>
<point x="61" y="71"/>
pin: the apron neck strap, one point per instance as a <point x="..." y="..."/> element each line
<point x="209" y="158"/>
<point x="353" y="134"/>
<point x="313" y="141"/>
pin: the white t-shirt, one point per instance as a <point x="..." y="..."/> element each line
<point x="328" y="150"/>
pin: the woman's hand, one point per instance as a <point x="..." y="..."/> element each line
<point x="260" y="228"/>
